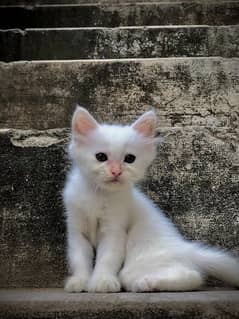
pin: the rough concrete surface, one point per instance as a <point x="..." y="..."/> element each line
<point x="32" y="223"/>
<point x="114" y="15"/>
<point x="124" y="42"/>
<point x="55" y="303"/>
<point x="183" y="91"/>
<point x="194" y="180"/>
<point x="37" y="2"/>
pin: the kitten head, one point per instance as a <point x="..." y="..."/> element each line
<point x="112" y="156"/>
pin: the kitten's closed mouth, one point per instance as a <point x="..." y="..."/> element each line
<point x="114" y="181"/>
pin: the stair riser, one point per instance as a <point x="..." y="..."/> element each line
<point x="114" y="15"/>
<point x="31" y="213"/>
<point x="184" y="92"/>
<point x="119" y="43"/>
<point x="194" y="180"/>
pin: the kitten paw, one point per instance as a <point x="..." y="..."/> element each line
<point x="143" y="285"/>
<point x="76" y="284"/>
<point x="104" y="283"/>
<point x="182" y="280"/>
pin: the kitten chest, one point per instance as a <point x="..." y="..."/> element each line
<point x="103" y="217"/>
<point x="96" y="217"/>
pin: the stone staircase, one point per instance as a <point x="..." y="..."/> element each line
<point x="118" y="59"/>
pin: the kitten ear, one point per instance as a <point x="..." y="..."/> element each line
<point x="146" y="124"/>
<point x="82" y="122"/>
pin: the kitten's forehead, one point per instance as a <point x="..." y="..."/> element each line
<point x="117" y="133"/>
<point x="116" y="138"/>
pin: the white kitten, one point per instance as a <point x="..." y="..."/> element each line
<point x="110" y="218"/>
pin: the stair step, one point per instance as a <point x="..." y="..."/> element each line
<point x="108" y="2"/>
<point x="194" y="180"/>
<point x="124" y="42"/>
<point x="184" y="91"/>
<point x="52" y="303"/>
<point x="164" y="13"/>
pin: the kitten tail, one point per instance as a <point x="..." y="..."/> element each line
<point x="217" y="263"/>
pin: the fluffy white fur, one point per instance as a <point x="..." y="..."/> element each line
<point x="135" y="246"/>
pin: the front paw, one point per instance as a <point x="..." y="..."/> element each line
<point x="104" y="283"/>
<point x="76" y="284"/>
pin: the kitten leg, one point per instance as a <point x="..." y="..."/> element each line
<point x="80" y="255"/>
<point x="109" y="258"/>
<point x="172" y="278"/>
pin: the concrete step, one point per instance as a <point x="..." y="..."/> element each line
<point x="37" y="2"/>
<point x="164" y="13"/>
<point x="184" y="91"/>
<point x="55" y="303"/>
<point x="123" y="42"/>
<point x="194" y="180"/>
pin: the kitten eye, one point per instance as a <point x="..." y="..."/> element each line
<point x="101" y="157"/>
<point x="129" y="158"/>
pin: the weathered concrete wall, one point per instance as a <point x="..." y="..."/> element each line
<point x="165" y="13"/>
<point x="194" y="180"/>
<point x="196" y="91"/>
<point x="116" y="43"/>
<point x="33" y="167"/>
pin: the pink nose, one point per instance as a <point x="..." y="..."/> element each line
<point x="116" y="173"/>
<point x="115" y="169"/>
